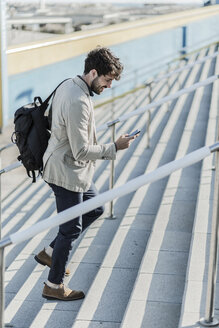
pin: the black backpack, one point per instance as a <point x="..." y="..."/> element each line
<point x="32" y="133"/>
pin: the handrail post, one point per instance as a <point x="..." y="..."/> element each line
<point x="209" y="320"/>
<point x="149" y="114"/>
<point x="136" y="78"/>
<point x="135" y="93"/>
<point x="0" y="195"/>
<point x="112" y="170"/>
<point x="2" y="285"/>
<point x="2" y="296"/>
<point x="113" y="104"/>
<point x="178" y="75"/>
<point x="148" y="128"/>
<point x="168" y="86"/>
<point x="0" y="201"/>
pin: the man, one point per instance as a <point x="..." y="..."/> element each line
<point x="69" y="161"/>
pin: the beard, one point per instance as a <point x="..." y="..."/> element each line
<point x="96" y="87"/>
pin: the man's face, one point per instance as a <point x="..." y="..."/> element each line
<point x="101" y="82"/>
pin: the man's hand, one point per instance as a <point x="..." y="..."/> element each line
<point x="124" y="141"/>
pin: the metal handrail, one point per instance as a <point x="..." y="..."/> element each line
<point x="154" y="80"/>
<point x="147" y="109"/>
<point x="179" y="70"/>
<point x="2" y="260"/>
<point x="106" y="102"/>
<point x="105" y="197"/>
<point x="93" y="203"/>
<point x="209" y="320"/>
<point x="196" y="50"/>
<point x="150" y="81"/>
<point x="139" y="111"/>
<point x="6" y="147"/>
<point x="10" y="167"/>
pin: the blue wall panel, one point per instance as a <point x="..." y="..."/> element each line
<point x="202" y="33"/>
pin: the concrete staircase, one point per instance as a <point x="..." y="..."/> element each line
<point x="140" y="269"/>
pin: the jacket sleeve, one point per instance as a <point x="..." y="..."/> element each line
<point x="77" y="120"/>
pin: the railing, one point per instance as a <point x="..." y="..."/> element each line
<point x="181" y="92"/>
<point x="151" y="104"/>
<point x="147" y="108"/>
<point x="209" y="320"/>
<point x="140" y="111"/>
<point x="95" y="202"/>
<point x="155" y="80"/>
<point x="6" y="147"/>
<point x="6" y="169"/>
<point x="144" y="110"/>
<point x="151" y="78"/>
<point x="132" y="185"/>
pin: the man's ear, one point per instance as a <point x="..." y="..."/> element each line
<point x="93" y="73"/>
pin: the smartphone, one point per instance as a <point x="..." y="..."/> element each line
<point x="134" y="133"/>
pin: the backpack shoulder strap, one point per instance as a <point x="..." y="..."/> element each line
<point x="48" y="98"/>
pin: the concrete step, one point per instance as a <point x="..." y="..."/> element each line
<point x="30" y="201"/>
<point x="157" y="294"/>
<point x="194" y="298"/>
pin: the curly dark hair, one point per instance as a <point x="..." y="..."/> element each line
<point x="104" y="62"/>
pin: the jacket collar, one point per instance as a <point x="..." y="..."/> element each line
<point x="83" y="84"/>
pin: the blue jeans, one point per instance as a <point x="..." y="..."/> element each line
<point x="70" y="230"/>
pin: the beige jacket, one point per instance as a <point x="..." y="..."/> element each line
<point x="69" y="160"/>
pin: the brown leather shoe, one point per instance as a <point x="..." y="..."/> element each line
<point x="44" y="259"/>
<point x="63" y="293"/>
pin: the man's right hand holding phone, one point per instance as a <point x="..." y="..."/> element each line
<point x="125" y="140"/>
